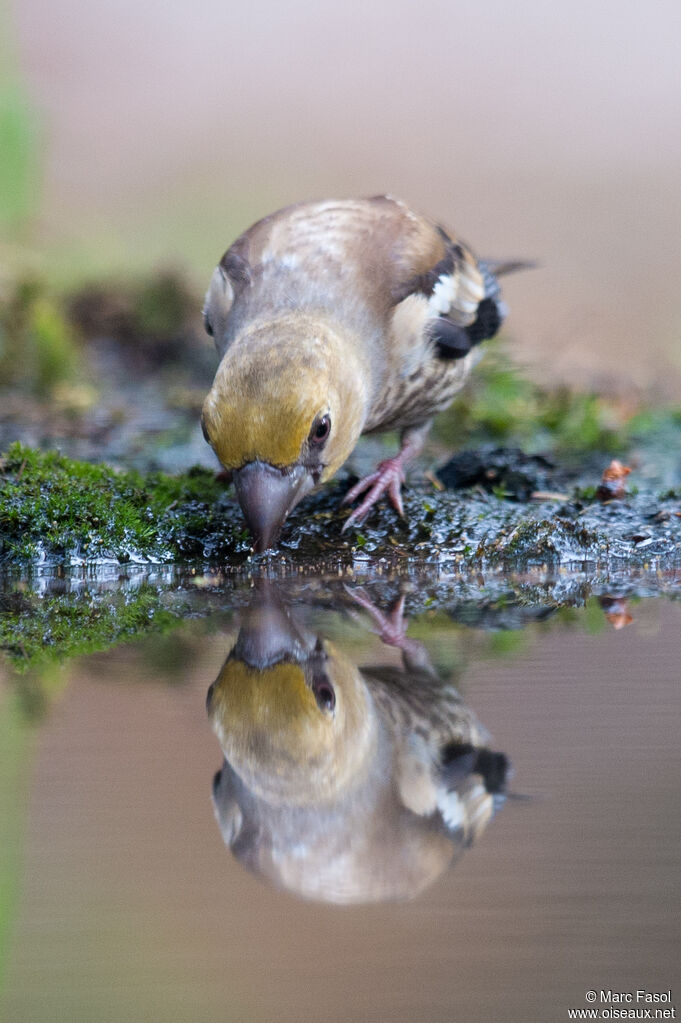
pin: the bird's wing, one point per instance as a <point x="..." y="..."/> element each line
<point x="231" y="278"/>
<point x="441" y="291"/>
<point x="369" y="261"/>
<point x="216" y="307"/>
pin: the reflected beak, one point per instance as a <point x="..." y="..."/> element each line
<point x="266" y="495"/>
<point x="268" y="632"/>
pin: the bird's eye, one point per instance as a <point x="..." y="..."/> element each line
<point x="324" y="695"/>
<point x="204" y="430"/>
<point x="320" y="431"/>
<point x="207" y="326"/>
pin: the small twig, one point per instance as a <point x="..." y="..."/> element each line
<point x="432" y="478"/>
<point x="548" y="495"/>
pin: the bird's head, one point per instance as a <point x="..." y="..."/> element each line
<point x="285" y="410"/>
<point x="298" y="731"/>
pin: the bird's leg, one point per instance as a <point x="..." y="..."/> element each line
<point x="388" y="477"/>
<point x="391" y="628"/>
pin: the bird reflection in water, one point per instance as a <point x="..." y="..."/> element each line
<point x="342" y="783"/>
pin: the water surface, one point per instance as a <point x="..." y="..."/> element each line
<point x="290" y="811"/>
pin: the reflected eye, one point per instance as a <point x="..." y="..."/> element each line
<point x="324" y="695"/>
<point x="207" y="326"/>
<point x="320" y="431"/>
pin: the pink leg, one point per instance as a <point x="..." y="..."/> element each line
<point x="392" y="630"/>
<point x="391" y="627"/>
<point x="388" y="477"/>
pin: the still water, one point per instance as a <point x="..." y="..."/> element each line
<point x="318" y="806"/>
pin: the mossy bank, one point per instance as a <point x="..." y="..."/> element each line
<point x="57" y="513"/>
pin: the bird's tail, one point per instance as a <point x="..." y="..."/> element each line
<point x="492" y="270"/>
<point x="500" y="267"/>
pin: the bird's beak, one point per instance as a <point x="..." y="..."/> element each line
<point x="266" y="495"/>
<point x="269" y="632"/>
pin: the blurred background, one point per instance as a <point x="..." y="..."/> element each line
<point x="136" y="135"/>
<point x="137" y="139"/>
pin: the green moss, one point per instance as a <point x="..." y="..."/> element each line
<point x="63" y="512"/>
<point x="55" y="508"/>
<point x="39" y="632"/>
<point x="499" y="404"/>
<point x="38" y="347"/>
<point x="44" y="334"/>
<point x="53" y="343"/>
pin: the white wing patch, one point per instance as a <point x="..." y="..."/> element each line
<point x="457" y="295"/>
<point x="451" y="808"/>
<point x="443" y="294"/>
<point x="469" y="811"/>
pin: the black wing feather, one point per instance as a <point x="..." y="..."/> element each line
<point x="455" y="342"/>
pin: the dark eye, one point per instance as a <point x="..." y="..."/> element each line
<point x="207" y="326"/>
<point x="320" y="431"/>
<point x="204" y="430"/>
<point x="324" y="695"/>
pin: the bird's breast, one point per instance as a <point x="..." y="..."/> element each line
<point x="412" y="395"/>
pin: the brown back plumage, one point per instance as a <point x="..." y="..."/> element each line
<point x="391" y="298"/>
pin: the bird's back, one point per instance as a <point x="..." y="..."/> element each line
<point x="412" y="296"/>
<point x="340" y="256"/>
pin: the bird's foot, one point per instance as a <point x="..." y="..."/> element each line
<point x="390" y="627"/>
<point x="387" y="479"/>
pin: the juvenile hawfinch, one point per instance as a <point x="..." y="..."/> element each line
<point x="333" y="319"/>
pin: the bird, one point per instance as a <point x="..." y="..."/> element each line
<point x="333" y="319"/>
<point x="340" y="782"/>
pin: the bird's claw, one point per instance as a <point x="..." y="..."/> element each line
<point x="387" y="479"/>
<point x="391" y="627"/>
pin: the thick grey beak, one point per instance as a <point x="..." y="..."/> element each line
<point x="269" y="632"/>
<point x="266" y="495"/>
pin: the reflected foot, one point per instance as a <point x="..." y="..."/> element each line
<point x="391" y="628"/>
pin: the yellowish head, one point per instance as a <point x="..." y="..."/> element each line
<point x="286" y="408"/>
<point x="275" y="383"/>
<point x="262" y="406"/>
<point x="295" y="732"/>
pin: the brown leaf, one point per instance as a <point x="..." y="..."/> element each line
<point x="615" y="471"/>
<point x="611" y="487"/>
<point x="616" y="611"/>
